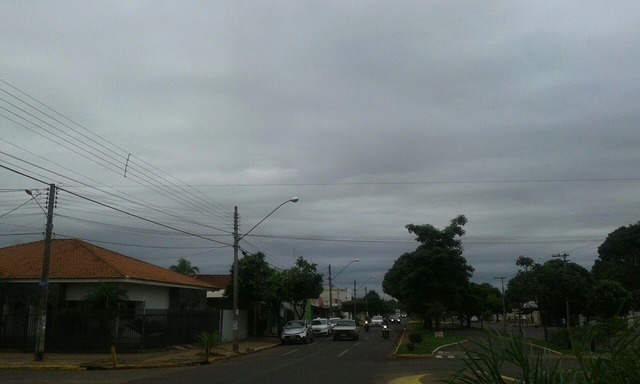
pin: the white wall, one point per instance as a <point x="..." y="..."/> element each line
<point x="226" y="328"/>
<point x="153" y="296"/>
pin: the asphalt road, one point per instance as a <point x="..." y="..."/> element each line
<point x="368" y="360"/>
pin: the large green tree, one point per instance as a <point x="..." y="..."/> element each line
<point x="301" y="283"/>
<point x="259" y="282"/>
<point x="619" y="259"/>
<point x="433" y="278"/>
<point x="555" y="282"/>
<point x="255" y="279"/>
<point x="608" y="299"/>
<point x="480" y="300"/>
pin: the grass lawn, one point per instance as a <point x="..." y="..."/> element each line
<point x="429" y="342"/>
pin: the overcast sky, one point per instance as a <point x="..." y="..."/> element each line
<point x="522" y="116"/>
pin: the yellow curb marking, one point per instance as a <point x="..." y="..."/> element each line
<point x="408" y="379"/>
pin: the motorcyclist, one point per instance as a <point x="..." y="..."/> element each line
<point x="385" y="328"/>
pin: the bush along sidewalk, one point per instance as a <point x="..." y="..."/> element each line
<point x="207" y="341"/>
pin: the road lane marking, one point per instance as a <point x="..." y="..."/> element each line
<point x="345" y="351"/>
<point x="290" y="352"/>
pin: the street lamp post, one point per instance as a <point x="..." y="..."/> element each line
<point x="236" y="242"/>
<point x="355" y="293"/>
<point x="331" y="284"/>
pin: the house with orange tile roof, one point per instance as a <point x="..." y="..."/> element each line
<point x="76" y="268"/>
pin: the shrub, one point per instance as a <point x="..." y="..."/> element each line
<point x="618" y="361"/>
<point x="415" y="338"/>
<point x="207" y="341"/>
<point x="411" y="346"/>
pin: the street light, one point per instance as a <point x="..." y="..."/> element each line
<point x="331" y="284"/>
<point x="236" y="241"/>
<point x="355" y="293"/>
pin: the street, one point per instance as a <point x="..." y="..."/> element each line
<point x="367" y="360"/>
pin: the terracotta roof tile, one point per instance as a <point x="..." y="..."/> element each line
<point x="218" y="281"/>
<point x="78" y="260"/>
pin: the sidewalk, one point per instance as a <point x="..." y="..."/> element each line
<point x="171" y="357"/>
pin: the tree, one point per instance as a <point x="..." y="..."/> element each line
<point x="619" y="259"/>
<point x="184" y="266"/>
<point x="259" y="282"/>
<point x="608" y="299"/>
<point x="254" y="278"/>
<point x="108" y="297"/>
<point x="374" y="304"/>
<point x="435" y="276"/>
<point x="480" y="300"/>
<point x="525" y="262"/>
<point x="555" y="282"/>
<point x="301" y="283"/>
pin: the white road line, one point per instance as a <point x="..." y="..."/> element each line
<point x="345" y="351"/>
<point x="290" y="352"/>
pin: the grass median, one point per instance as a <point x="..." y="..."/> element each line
<point x="430" y="340"/>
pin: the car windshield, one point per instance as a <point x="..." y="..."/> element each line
<point x="334" y="321"/>
<point x="294" y="324"/>
<point x="319" y="322"/>
<point x="376" y="318"/>
<point x="346" y="323"/>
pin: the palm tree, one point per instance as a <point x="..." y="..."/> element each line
<point x="108" y="297"/>
<point x="184" y="266"/>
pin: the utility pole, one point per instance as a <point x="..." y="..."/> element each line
<point x="504" y="307"/>
<point x="44" y="281"/>
<point x="330" y="294"/>
<point x="354" y="299"/>
<point x="236" y="246"/>
<point x="566" y="298"/>
<point x="236" y="296"/>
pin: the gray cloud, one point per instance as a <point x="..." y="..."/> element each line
<point x="521" y="116"/>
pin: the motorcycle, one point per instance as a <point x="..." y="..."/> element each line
<point x="385" y="331"/>
<point x="366" y="326"/>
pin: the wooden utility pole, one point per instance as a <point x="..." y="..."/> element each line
<point x="44" y="281"/>
<point x="504" y="306"/>
<point x="566" y="298"/>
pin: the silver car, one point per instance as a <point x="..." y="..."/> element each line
<point x="296" y="331"/>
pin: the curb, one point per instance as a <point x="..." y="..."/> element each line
<point x="101" y="366"/>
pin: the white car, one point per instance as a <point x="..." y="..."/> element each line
<point x="346" y="329"/>
<point x="321" y="327"/>
<point x="376" y="321"/>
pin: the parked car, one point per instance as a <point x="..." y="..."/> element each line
<point x="333" y="321"/>
<point x="376" y="321"/>
<point x="321" y="327"/>
<point x="346" y="329"/>
<point x="296" y="331"/>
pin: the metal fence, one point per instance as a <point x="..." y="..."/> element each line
<point x="75" y="331"/>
